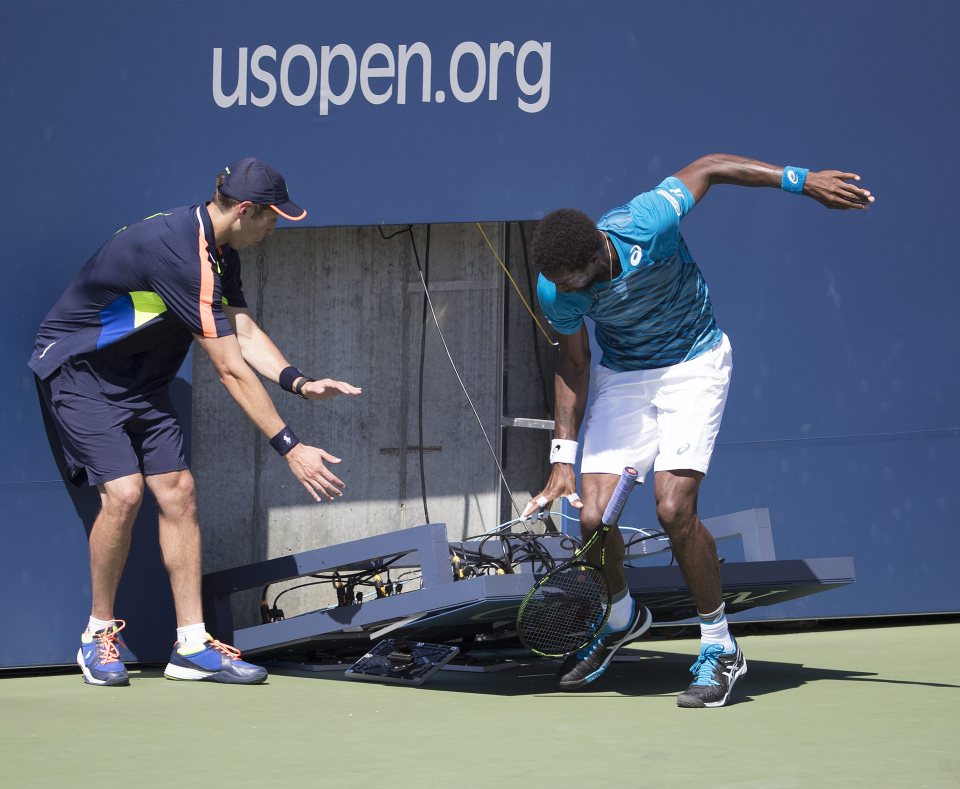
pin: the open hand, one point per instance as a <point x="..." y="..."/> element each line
<point x="562" y="482"/>
<point x="833" y="189"/>
<point x="326" y="388"/>
<point x="307" y="464"/>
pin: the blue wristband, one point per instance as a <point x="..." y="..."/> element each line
<point x="288" y="375"/>
<point x="284" y="441"/>
<point x="793" y="179"/>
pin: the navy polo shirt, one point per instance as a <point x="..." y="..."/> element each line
<point x="125" y="323"/>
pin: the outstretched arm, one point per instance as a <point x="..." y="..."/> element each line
<point x="306" y="462"/>
<point x="262" y="354"/>
<point x="832" y="188"/>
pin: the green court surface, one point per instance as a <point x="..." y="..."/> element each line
<point x="871" y="706"/>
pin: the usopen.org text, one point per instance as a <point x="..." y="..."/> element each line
<point x="331" y="76"/>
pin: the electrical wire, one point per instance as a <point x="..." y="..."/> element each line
<point x="423" y="357"/>
<point x="423" y="354"/>
<point x="547" y="405"/>
<point x="360" y="578"/>
<point x="429" y="303"/>
<point x="468" y="561"/>
<point x="453" y="365"/>
<point x="515" y="286"/>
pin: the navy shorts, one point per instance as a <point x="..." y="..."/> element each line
<point x="104" y="440"/>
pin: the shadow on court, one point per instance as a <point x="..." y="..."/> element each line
<point x="844" y="661"/>
<point x="647" y="672"/>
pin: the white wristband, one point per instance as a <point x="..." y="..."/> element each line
<point x="563" y="450"/>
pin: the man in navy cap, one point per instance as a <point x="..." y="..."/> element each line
<point x="104" y="358"/>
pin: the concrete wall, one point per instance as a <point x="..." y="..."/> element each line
<point x="346" y="303"/>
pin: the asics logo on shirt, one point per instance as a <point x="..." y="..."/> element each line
<point x="635" y="254"/>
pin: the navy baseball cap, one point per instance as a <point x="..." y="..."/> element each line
<point x="256" y="181"/>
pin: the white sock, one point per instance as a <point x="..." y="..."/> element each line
<point x="95" y="625"/>
<point x="621" y="610"/>
<point x="714" y="629"/>
<point x="192" y="637"/>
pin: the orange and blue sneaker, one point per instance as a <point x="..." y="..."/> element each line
<point x="213" y="662"/>
<point x="99" y="658"/>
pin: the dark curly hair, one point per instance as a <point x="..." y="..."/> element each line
<point x="565" y="240"/>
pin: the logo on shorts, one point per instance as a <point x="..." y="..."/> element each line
<point x="682" y="448"/>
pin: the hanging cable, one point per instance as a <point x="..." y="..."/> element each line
<point x="516" y="287"/>
<point x="456" y="372"/>
<point x="423" y="344"/>
<point x="547" y="406"/>
<point x="423" y="356"/>
<point x="453" y="365"/>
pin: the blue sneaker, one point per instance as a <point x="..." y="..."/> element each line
<point x="99" y="659"/>
<point x="590" y="662"/>
<point x="213" y="662"/>
<point x="715" y="673"/>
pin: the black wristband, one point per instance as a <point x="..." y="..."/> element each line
<point x="287" y="376"/>
<point x="284" y="441"/>
<point x="298" y="386"/>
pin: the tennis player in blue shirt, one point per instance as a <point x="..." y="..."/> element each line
<point x="660" y="386"/>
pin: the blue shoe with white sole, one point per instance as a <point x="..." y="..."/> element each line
<point x="213" y="662"/>
<point x="99" y="658"/>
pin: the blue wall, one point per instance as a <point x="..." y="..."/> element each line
<point x="843" y="416"/>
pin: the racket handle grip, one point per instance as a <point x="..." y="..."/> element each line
<point x="628" y="478"/>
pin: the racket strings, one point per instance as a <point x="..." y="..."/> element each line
<point x="565" y="612"/>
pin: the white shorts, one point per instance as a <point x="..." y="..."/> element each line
<point x="668" y="417"/>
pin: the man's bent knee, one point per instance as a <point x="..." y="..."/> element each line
<point x="122" y="496"/>
<point x="590" y="519"/>
<point x="675" y="512"/>
<point x="175" y="492"/>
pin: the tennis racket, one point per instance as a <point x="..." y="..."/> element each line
<point x="568" y="606"/>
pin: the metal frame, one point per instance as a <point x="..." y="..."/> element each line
<point x="489" y="602"/>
